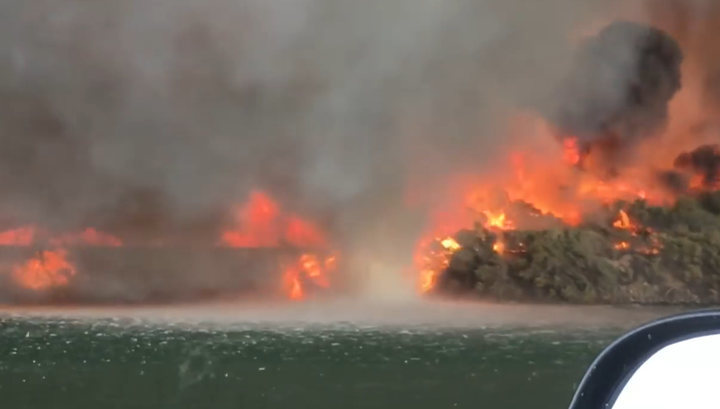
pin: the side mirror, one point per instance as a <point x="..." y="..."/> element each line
<point x="671" y="363"/>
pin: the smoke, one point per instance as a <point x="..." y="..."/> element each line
<point x="201" y="102"/>
<point x="619" y="87"/>
<point x="703" y="161"/>
<point x="150" y="120"/>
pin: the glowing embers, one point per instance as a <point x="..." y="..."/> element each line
<point x="499" y="247"/>
<point x="308" y="269"/>
<point x="637" y="238"/>
<point x="46" y="269"/>
<point x="622" y="245"/>
<point x="450" y="244"/>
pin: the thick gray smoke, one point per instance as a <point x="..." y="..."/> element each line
<point x="619" y="88"/>
<point x="704" y="161"/>
<point x="150" y="117"/>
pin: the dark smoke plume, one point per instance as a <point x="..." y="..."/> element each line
<point x="674" y="181"/>
<point x="618" y="89"/>
<point x="703" y="161"/>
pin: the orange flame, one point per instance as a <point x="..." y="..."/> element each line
<point x="302" y="233"/>
<point x="623" y="221"/>
<point x="22" y="236"/>
<point x="263" y="224"/>
<point x="499" y="247"/>
<point x="571" y="153"/>
<point x="296" y="290"/>
<point x="498" y="221"/>
<point x="48" y="269"/>
<point x="622" y="245"/>
<point x="307" y="268"/>
<point x="537" y="186"/>
<point x="428" y="279"/>
<point x="88" y="237"/>
<point x="431" y="258"/>
<point x="259" y="224"/>
<point x="26" y="236"/>
<point x="450" y="244"/>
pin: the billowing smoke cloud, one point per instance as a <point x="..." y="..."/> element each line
<point x="148" y="120"/>
<point x="704" y="161"/>
<point x="619" y="87"/>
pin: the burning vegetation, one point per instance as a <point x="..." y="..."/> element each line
<point x="47" y="269"/>
<point x="643" y="254"/>
<point x="262" y="224"/>
<point x="44" y="266"/>
<point x="603" y="219"/>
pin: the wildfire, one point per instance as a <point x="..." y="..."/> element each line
<point x="26" y="236"/>
<point x="22" y="236"/>
<point x="651" y="244"/>
<point x="307" y="268"/>
<point x="450" y="244"/>
<point x="622" y="245"/>
<point x="428" y="279"/>
<point x="499" y="247"/>
<point x="88" y="237"/>
<point x="432" y="258"/>
<point x="263" y="224"/>
<point x="48" y="269"/>
<point x="623" y="221"/>
<point x="539" y="185"/>
<point x="258" y="220"/>
<point x="498" y="221"/>
<point x="301" y="233"/>
<point x="571" y="152"/>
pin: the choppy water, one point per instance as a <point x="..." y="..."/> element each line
<point x="129" y="362"/>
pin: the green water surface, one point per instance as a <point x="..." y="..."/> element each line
<point x="62" y="363"/>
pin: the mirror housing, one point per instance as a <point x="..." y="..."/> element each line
<point x="613" y="368"/>
<point x="681" y="375"/>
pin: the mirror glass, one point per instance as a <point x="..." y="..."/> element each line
<point x="682" y="375"/>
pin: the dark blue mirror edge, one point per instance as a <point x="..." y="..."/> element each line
<point x="611" y="370"/>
